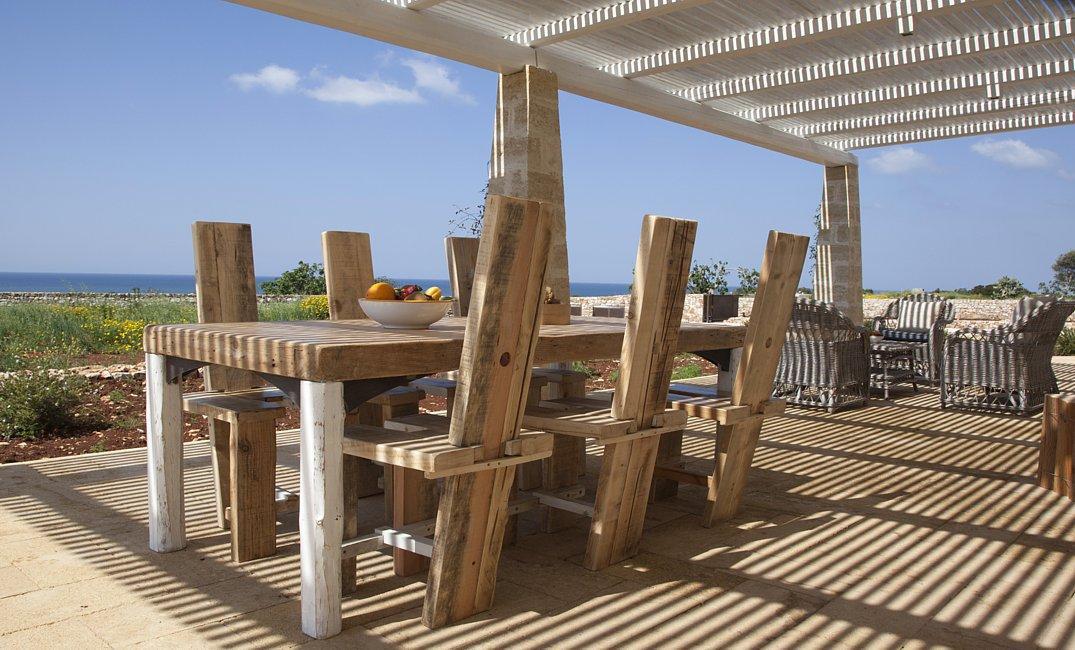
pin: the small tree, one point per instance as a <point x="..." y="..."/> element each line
<point x="748" y="281"/>
<point x="469" y="220"/>
<point x="1063" y="282"/>
<point x="305" y="279"/>
<point x="1008" y="287"/>
<point x="708" y="278"/>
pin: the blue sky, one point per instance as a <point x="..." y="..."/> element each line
<point x="124" y="121"/>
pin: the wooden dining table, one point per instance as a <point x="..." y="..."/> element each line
<point x="329" y="368"/>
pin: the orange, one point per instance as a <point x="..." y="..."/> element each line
<point x="381" y="291"/>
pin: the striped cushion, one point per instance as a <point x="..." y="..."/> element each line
<point x="1023" y="308"/>
<point x="905" y="335"/>
<point x="917" y="315"/>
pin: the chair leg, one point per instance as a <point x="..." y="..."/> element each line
<point x="353" y="474"/>
<point x="219" y="436"/>
<point x="414" y="499"/>
<point x="470" y="533"/>
<point x="734" y="453"/>
<point x="560" y="471"/>
<point x="623" y="491"/>
<point x="252" y="453"/>
<point x="669" y="454"/>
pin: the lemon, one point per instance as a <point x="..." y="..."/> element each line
<point x="434" y="293"/>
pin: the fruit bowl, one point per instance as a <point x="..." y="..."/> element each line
<point x="403" y="314"/>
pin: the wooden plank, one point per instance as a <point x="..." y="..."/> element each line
<point x="220" y="441"/>
<point x="351" y="350"/>
<point x="462" y="254"/>
<point x="649" y="345"/>
<point x="231" y="408"/>
<point x="414" y="498"/>
<point x="680" y="475"/>
<point x="348" y="272"/>
<point x="418" y="449"/>
<point x="780" y="271"/>
<point x="225" y="288"/>
<point x="164" y="458"/>
<point x="321" y="507"/>
<point x="253" y="495"/>
<point x="494" y="375"/>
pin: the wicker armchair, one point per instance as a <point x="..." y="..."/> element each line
<point x="825" y="359"/>
<point x="919" y="319"/>
<point x="1007" y="368"/>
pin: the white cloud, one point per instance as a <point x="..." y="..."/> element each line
<point x="900" y="161"/>
<point x="362" y="92"/>
<point x="430" y="75"/>
<point x="272" y="78"/>
<point x="1015" y="153"/>
<point x="1066" y="174"/>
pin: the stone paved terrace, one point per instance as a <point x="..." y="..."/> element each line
<point x="895" y="525"/>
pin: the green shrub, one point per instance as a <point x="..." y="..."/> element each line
<point x="304" y="279"/>
<point x="1065" y="344"/>
<point x="35" y="403"/>
<point x="708" y="278"/>
<point x="748" y="281"/>
<point x="314" y="308"/>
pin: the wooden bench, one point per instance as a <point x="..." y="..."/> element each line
<point x="476" y="451"/>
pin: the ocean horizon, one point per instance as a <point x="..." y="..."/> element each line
<point x="164" y="283"/>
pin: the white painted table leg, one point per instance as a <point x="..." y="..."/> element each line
<point x="164" y="442"/>
<point x="321" y="506"/>
<point x="725" y="380"/>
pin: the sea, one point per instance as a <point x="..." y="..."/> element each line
<point x="145" y="283"/>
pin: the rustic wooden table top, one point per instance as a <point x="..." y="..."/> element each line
<point x="348" y="350"/>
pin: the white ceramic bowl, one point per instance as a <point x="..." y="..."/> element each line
<point x="403" y="315"/>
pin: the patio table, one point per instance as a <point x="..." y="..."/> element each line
<point x="329" y="368"/>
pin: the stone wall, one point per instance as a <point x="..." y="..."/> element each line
<point x="77" y="297"/>
<point x="977" y="313"/>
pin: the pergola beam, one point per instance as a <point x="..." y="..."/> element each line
<point x="416" y="5"/>
<point x="929" y="88"/>
<point x="805" y="30"/>
<point x="600" y="18"/>
<point x="958" y="130"/>
<point x="428" y="33"/>
<point x="902" y="58"/>
<point x="951" y="111"/>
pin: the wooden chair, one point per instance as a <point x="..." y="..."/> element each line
<point x="545" y="383"/>
<point x="242" y="411"/>
<point x="348" y="260"/>
<point x="742" y="397"/>
<point x="630" y="429"/>
<point x="477" y="449"/>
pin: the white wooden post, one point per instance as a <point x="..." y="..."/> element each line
<point x="164" y="442"/>
<point x="726" y="379"/>
<point x="321" y="506"/>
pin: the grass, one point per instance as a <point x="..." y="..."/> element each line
<point x="51" y="335"/>
<point x="1065" y="344"/>
<point x="687" y="372"/>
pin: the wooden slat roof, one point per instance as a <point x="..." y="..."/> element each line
<point x="838" y="74"/>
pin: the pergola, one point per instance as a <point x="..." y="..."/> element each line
<point x="812" y="79"/>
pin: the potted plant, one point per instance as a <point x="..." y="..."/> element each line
<point x="712" y="280"/>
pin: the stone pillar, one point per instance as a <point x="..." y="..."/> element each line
<point x="838" y="274"/>
<point x="526" y="160"/>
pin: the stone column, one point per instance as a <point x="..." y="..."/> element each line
<point x="526" y="160"/>
<point x="838" y="274"/>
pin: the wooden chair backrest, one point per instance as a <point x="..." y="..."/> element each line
<point x="503" y="324"/>
<point x="348" y="272"/>
<point x="653" y="318"/>
<point x="779" y="279"/>
<point x="225" y="289"/>
<point x="462" y="255"/>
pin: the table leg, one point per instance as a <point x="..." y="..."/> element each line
<point x="321" y="506"/>
<point x="164" y="442"/>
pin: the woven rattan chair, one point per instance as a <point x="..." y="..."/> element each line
<point x="919" y="319"/>
<point x="1007" y="368"/>
<point x="825" y="359"/>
